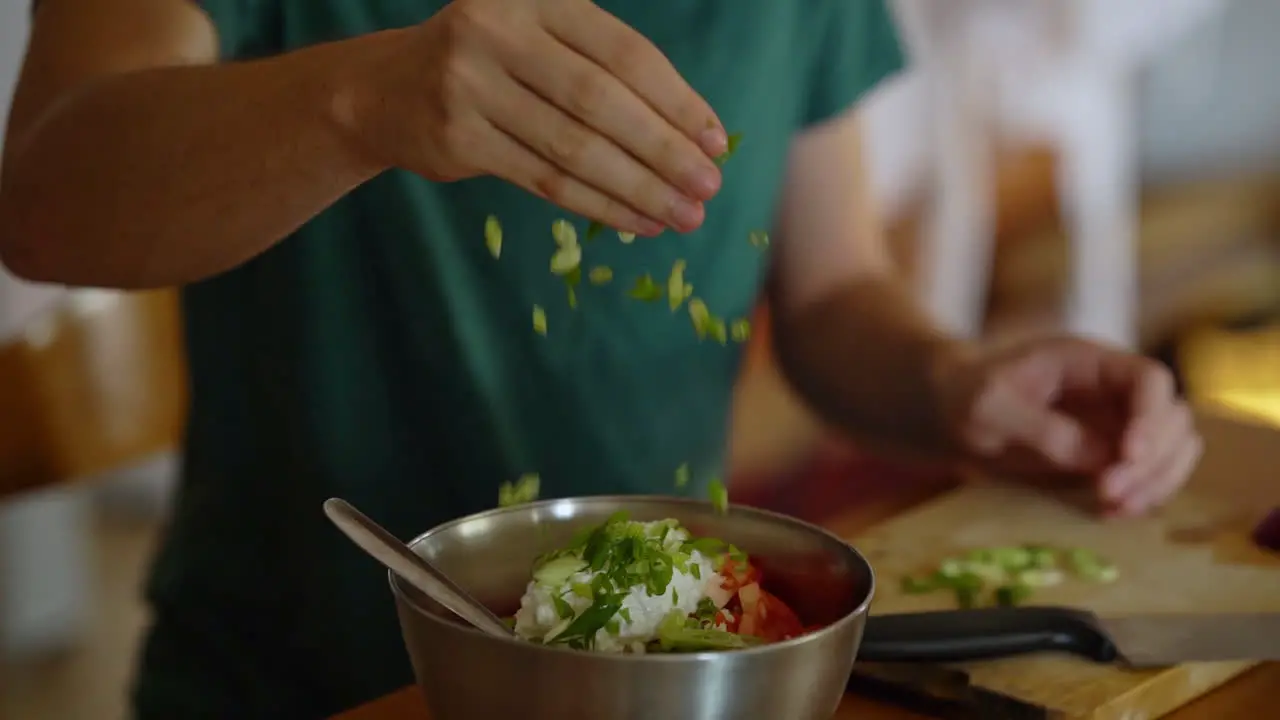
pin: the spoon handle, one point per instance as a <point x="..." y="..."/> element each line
<point x="396" y="556"/>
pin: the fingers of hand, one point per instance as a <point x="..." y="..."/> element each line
<point x="1002" y="417"/>
<point x="514" y="162"/>
<point x="677" y="175"/>
<point x="1168" y="439"/>
<point x="629" y="56"/>
<point x="1157" y="484"/>
<point x="1152" y="399"/>
<point x="580" y="152"/>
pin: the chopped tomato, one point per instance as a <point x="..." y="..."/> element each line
<point x="727" y="621"/>
<point x="737" y="573"/>
<point x="767" y="617"/>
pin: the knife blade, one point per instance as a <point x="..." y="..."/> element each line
<point x="1138" y="641"/>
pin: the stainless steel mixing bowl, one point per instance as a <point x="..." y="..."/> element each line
<point x="467" y="675"/>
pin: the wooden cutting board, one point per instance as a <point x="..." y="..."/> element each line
<point x="1194" y="557"/>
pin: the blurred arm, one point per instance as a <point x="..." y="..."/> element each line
<point x="848" y="333"/>
<point x="133" y="160"/>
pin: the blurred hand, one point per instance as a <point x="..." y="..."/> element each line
<point x="1068" y="406"/>
<point x="556" y="96"/>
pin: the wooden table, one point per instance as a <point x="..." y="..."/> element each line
<point x="1240" y="454"/>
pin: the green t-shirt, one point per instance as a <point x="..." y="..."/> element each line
<point x="383" y="355"/>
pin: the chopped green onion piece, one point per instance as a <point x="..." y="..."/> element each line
<point x="566" y="259"/>
<point x="717" y="331"/>
<point x="1041" y="578"/>
<point x="682" y="476"/>
<point x="701" y="317"/>
<point x="740" y="330"/>
<point x="1012" y="595"/>
<point x="493" y="236"/>
<point x="539" y="320"/>
<point x="719" y="495"/>
<point x="564" y="233"/>
<point x="920" y="586"/>
<point x="524" y="490"/>
<point x="563" y="608"/>
<point x="594" y="228"/>
<point x="646" y="289"/>
<point x="966" y="597"/>
<point x="558" y="570"/>
<point x="626" y="237"/>
<point x="600" y="275"/>
<point x="571" y="281"/>
<point x="675" y="285"/>
<point x="734" y="140"/>
<point x="758" y="238"/>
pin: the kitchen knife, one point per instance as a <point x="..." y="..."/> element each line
<point x="1139" y="641"/>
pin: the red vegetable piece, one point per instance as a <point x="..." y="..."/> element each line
<point x="765" y="616"/>
<point x="777" y="620"/>
<point x="737" y="573"/>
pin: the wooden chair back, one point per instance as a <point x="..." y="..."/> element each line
<point x="96" y="384"/>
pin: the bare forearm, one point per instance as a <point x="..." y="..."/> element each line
<point x="167" y="176"/>
<point x="868" y="361"/>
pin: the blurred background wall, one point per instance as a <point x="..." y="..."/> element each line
<point x="92" y="391"/>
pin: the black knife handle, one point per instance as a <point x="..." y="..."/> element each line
<point x="984" y="634"/>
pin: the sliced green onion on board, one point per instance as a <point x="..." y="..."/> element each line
<point x="593" y="230"/>
<point x="626" y="238"/>
<point x="758" y="238"/>
<point x="1009" y="574"/>
<point x="682" y="476"/>
<point x="493" y="236"/>
<point x="740" y="330"/>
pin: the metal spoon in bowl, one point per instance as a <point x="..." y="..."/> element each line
<point x="418" y="571"/>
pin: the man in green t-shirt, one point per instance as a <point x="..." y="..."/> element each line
<point x="317" y="176"/>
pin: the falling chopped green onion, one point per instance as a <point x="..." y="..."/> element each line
<point x="734" y="140"/>
<point x="758" y="238"/>
<point x="646" y="289"/>
<point x="564" y="233"/>
<point x="626" y="238"/>
<point x="566" y="259"/>
<point x="493" y="236"/>
<point x="600" y="275"/>
<point x="719" y="495"/>
<point x="682" y="476"/>
<point x="539" y="320"/>
<point x="571" y="281"/>
<point x="524" y="490"/>
<point x="740" y="330"/>
<point x="676" y="285"/>
<point x="700" y="316"/>
<point x="717" y="331"/>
